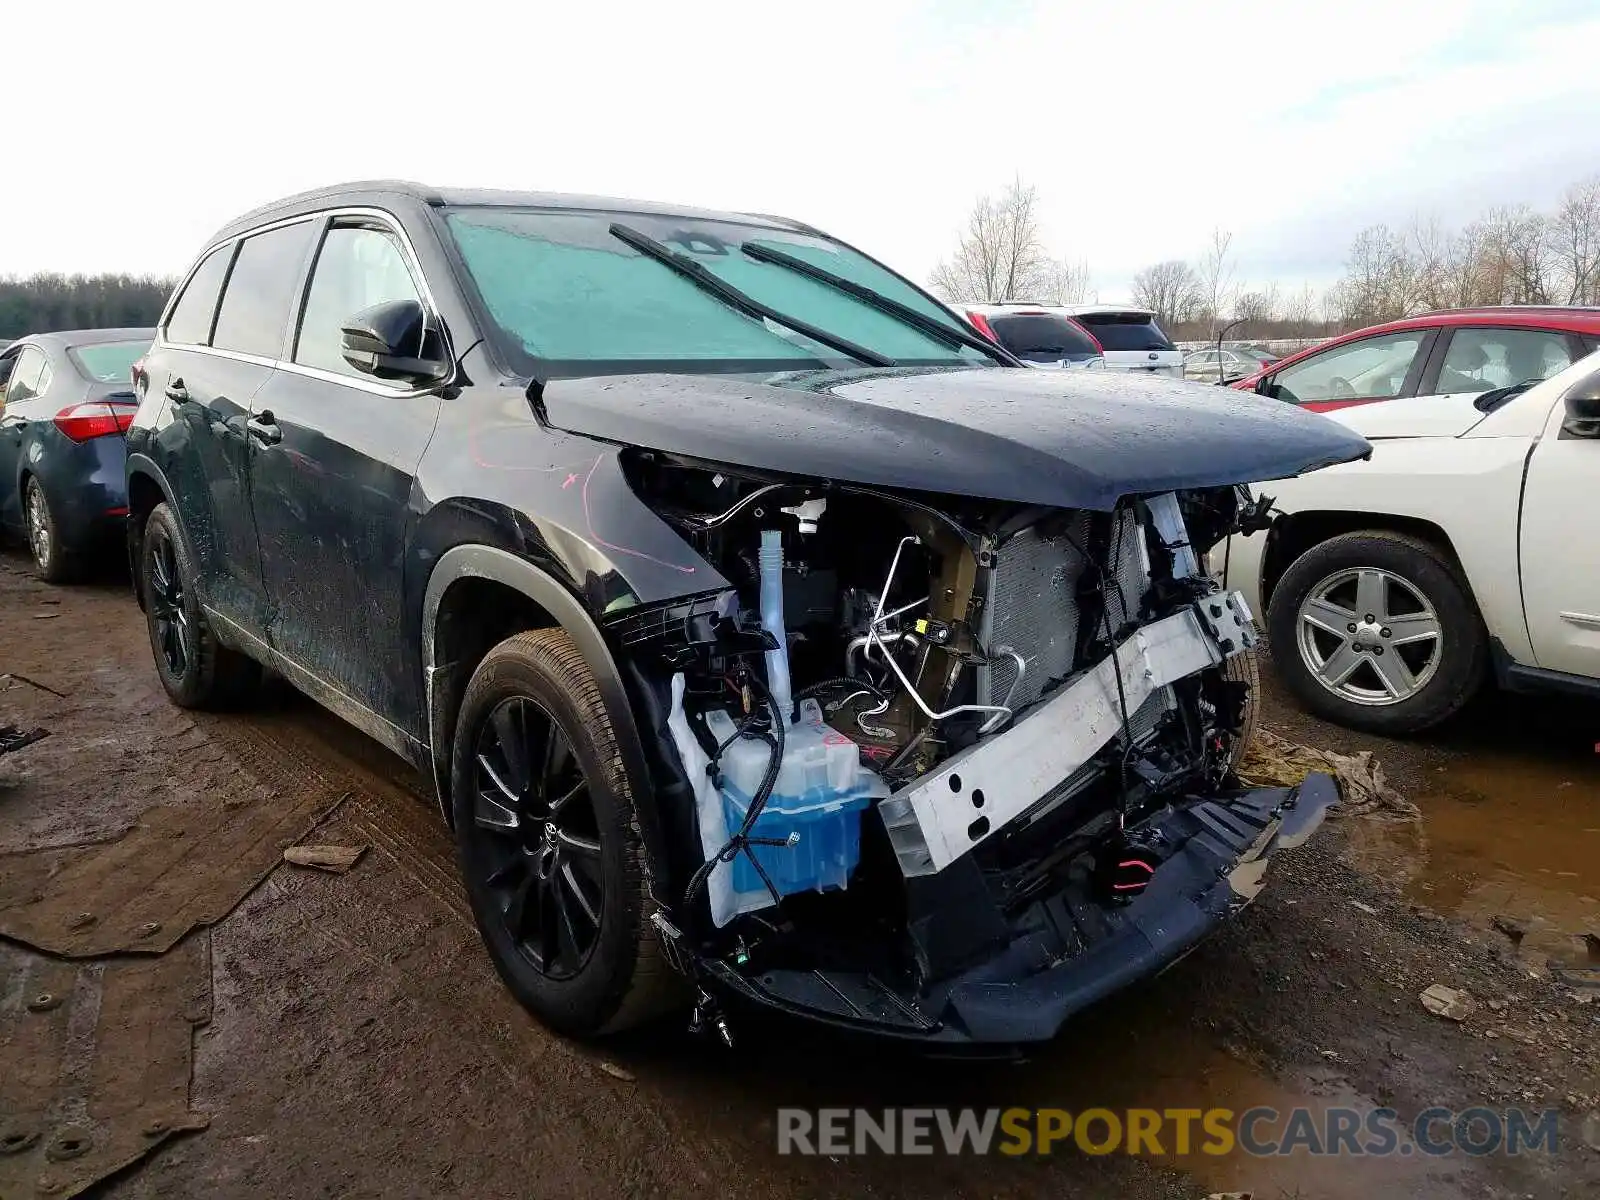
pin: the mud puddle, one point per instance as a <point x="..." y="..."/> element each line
<point x="1168" y="1069"/>
<point x="1510" y="831"/>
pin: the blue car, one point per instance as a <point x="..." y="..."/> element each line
<point x="66" y="400"/>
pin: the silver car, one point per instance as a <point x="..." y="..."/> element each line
<point x="1225" y="365"/>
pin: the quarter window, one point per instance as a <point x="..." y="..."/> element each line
<point x="190" y="323"/>
<point x="256" y="305"/>
<point x="358" y="267"/>
<point x="1481" y="359"/>
<point x="1374" y="368"/>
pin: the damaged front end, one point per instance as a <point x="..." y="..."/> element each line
<point x="945" y="769"/>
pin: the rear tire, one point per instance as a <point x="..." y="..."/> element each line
<point x="52" y="561"/>
<point x="549" y="842"/>
<point x="196" y="670"/>
<point x="1417" y="642"/>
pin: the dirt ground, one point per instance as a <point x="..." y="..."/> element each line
<point x="360" y="1045"/>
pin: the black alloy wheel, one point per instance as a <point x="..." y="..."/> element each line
<point x="171" y="636"/>
<point x="548" y="832"/>
<point x="196" y="670"/>
<point x="547" y="876"/>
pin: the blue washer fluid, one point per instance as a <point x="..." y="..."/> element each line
<point x="821" y="790"/>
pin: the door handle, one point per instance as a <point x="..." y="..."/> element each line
<point x="264" y="429"/>
<point x="176" y="392"/>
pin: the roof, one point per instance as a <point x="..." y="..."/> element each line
<point x="65" y="339"/>
<point x="1537" y="316"/>
<point x="1010" y="306"/>
<point x="378" y="192"/>
<point x="1500" y="309"/>
<point x="1066" y="310"/>
<point x="1087" y="310"/>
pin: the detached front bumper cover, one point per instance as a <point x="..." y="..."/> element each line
<point x="1026" y="992"/>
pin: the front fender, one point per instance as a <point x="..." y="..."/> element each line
<point x="1467" y="488"/>
<point x="502" y="567"/>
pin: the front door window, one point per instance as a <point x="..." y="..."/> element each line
<point x="1373" y="368"/>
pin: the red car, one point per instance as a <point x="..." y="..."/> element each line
<point x="1453" y="352"/>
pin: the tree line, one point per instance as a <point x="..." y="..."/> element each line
<point x="40" y="303"/>
<point x="1513" y="254"/>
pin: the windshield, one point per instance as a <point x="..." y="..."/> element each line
<point x="1043" y="337"/>
<point x="570" y="297"/>
<point x="1125" y="331"/>
<point x="108" y="362"/>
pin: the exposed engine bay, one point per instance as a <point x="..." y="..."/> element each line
<point x="924" y="734"/>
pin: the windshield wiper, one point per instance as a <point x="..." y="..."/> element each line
<point x="1495" y="397"/>
<point x="921" y="322"/>
<point x="709" y="283"/>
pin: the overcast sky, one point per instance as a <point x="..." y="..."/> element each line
<point x="1144" y="125"/>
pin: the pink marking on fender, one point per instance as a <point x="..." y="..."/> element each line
<point x="599" y="541"/>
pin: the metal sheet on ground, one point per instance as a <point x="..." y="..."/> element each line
<point x="97" y="1064"/>
<point x="176" y="869"/>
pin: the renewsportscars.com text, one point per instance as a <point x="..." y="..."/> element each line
<point x="1358" y="1132"/>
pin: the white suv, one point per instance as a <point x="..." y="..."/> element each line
<point x="1394" y="587"/>
<point x="1129" y="337"/>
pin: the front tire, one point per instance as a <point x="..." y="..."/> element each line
<point x="549" y="841"/>
<point x="196" y="670"/>
<point x="1377" y="631"/>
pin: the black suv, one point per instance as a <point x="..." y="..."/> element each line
<point x="757" y="624"/>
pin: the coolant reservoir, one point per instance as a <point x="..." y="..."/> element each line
<point x="817" y="801"/>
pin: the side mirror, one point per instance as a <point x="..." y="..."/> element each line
<point x="392" y="341"/>
<point x="1583" y="408"/>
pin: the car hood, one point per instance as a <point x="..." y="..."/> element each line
<point x="1412" y="416"/>
<point x="1071" y="439"/>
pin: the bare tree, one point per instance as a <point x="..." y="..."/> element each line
<point x="1463" y="281"/>
<point x="1216" y="277"/>
<point x="1380" y="282"/>
<point x="1516" y="264"/>
<point x="1001" y="254"/>
<point x="1302" y="312"/>
<point x="1256" y="309"/>
<point x="1069" y="283"/>
<point x="1575" y="242"/>
<point x="1431" y="251"/>
<point x="1169" y="289"/>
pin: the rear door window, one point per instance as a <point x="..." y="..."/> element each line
<point x="190" y="322"/>
<point x="1480" y="359"/>
<point x="1125" y="331"/>
<point x="261" y="291"/>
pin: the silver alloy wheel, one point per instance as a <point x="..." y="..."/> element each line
<point x="38" y="525"/>
<point x="1369" y="636"/>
